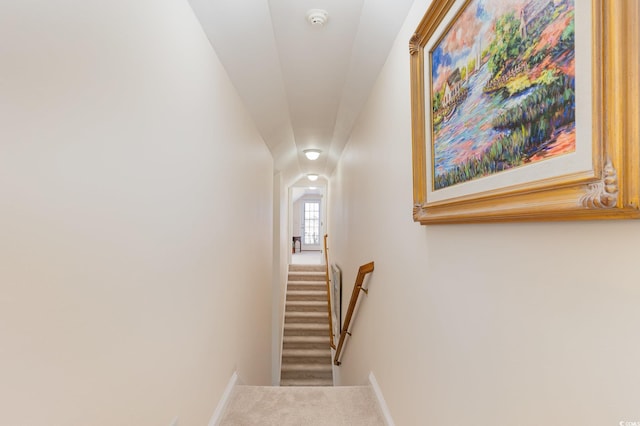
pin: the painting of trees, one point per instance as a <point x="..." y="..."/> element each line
<point x="507" y="44"/>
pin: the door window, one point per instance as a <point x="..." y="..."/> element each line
<point x="311" y="222"/>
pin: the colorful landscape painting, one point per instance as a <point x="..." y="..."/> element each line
<point x="503" y="88"/>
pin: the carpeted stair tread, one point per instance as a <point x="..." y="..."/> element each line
<point x="307" y="285"/>
<point x="315" y="329"/>
<point x="302" y="353"/>
<point x="310" y="295"/>
<point x="307" y="339"/>
<point x="305" y="342"/>
<point x="307" y="292"/>
<point x="307" y="276"/>
<point x="299" y="370"/>
<point x="306" y="305"/>
<point x="306" y="382"/>
<point x="313" y="268"/>
<point x="306" y="356"/>
<point x="306" y="367"/>
<point x="306" y="326"/>
<point x="322" y="316"/>
<point x="310" y="273"/>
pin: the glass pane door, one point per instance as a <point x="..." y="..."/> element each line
<point x="311" y="225"/>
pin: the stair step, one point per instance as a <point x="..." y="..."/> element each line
<point x="306" y="382"/>
<point x="306" y="326"/>
<point x="306" y="329"/>
<point x="309" y="329"/>
<point x="306" y="276"/>
<point x="320" y="272"/>
<point x="306" y="317"/>
<point x="307" y="339"/>
<point x="306" y="342"/>
<point x="318" y="368"/>
<point x="321" y="293"/>
<point x="314" y="268"/>
<point x="307" y="314"/>
<point x="311" y="295"/>
<point x="307" y="285"/>
<point x="306" y="352"/>
<point x="306" y="356"/>
<point x="305" y="372"/>
<point x="306" y="305"/>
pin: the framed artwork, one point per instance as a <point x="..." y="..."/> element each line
<point x="336" y="299"/>
<point x="525" y="110"/>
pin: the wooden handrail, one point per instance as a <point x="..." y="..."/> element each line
<point x="329" y="308"/>
<point x="362" y="272"/>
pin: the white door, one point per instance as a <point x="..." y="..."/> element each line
<point x="311" y="225"/>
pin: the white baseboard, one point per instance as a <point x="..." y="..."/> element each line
<point x="224" y="400"/>
<point x="383" y="405"/>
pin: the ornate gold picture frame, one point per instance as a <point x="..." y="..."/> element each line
<point x="598" y="177"/>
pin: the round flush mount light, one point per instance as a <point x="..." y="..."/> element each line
<point x="312" y="177"/>
<point x="317" y="17"/>
<point x="312" y="154"/>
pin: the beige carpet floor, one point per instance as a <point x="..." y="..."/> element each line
<point x="296" y="406"/>
<point x="307" y="258"/>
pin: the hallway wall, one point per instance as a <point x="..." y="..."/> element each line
<point x="492" y="324"/>
<point x="135" y="214"/>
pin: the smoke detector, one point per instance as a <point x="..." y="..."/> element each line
<point x="317" y="17"/>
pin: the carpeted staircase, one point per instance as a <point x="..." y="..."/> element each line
<point x="306" y="395"/>
<point x="306" y="354"/>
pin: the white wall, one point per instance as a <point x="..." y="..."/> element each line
<point x="281" y="253"/>
<point x="494" y="324"/>
<point x="125" y="299"/>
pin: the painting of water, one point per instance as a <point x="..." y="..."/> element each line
<point x="502" y="88"/>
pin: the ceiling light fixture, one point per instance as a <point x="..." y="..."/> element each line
<point x="312" y="154"/>
<point x="312" y="177"/>
<point x="317" y="17"/>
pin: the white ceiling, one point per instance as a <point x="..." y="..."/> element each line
<point x="304" y="86"/>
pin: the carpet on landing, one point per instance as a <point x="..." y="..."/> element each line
<point x="309" y="406"/>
